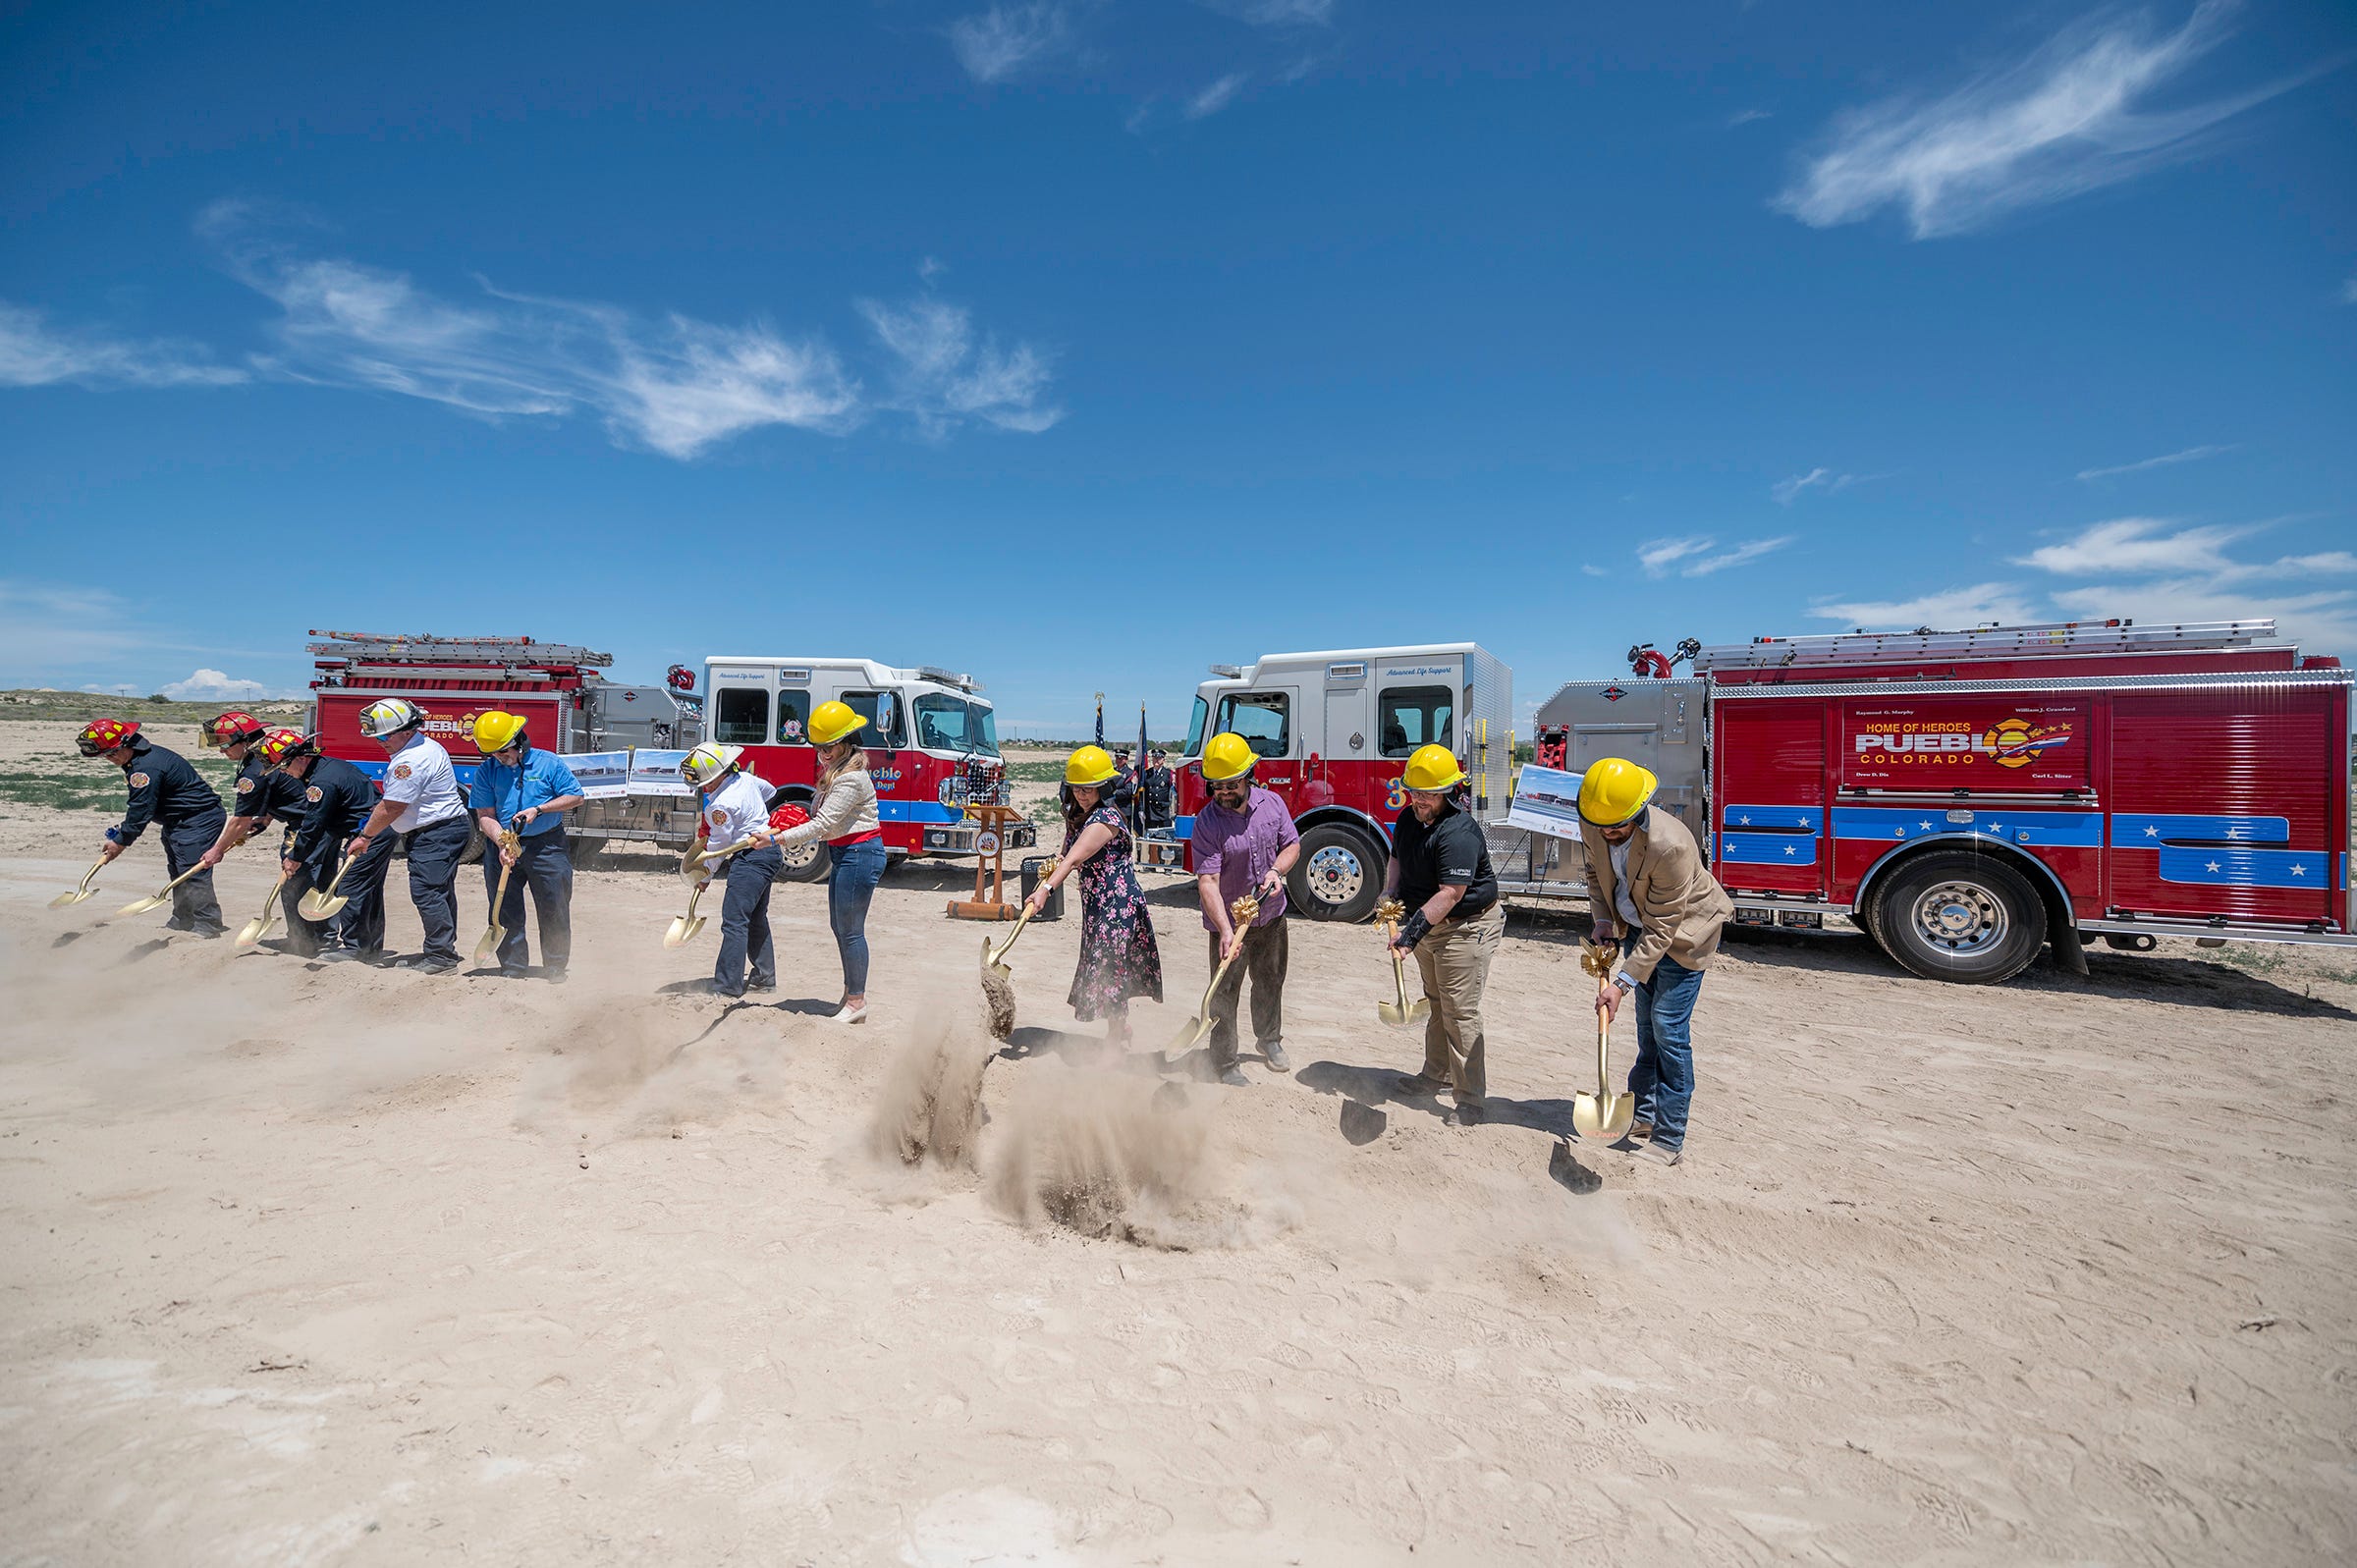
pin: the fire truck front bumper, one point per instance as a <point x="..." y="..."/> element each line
<point x="972" y="839"/>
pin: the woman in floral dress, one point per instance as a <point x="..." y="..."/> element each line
<point x="1117" y="955"/>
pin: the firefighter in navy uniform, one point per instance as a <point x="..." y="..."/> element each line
<point x="167" y="790"/>
<point x="263" y="796"/>
<point x="337" y="798"/>
<point x="422" y="804"/>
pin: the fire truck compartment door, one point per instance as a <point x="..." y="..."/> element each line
<point x="1345" y="736"/>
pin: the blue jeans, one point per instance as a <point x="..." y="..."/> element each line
<point x="744" y="921"/>
<point x="858" y="869"/>
<point x="1663" y="1078"/>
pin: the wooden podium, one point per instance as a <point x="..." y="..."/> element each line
<point x="990" y="866"/>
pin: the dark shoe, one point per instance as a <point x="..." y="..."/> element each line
<point x="209" y="933"/>
<point x="1469" y="1114"/>
<point x="1661" y="1154"/>
<point x="1641" y="1128"/>
<point x="513" y="971"/>
<point x="179" y="924"/>
<point x="761" y="985"/>
<point x="1274" y="1055"/>
<point x="1234" y="1078"/>
<point x="1416" y="1086"/>
<point x="426" y="965"/>
<point x="346" y="955"/>
<point x="555" y="977"/>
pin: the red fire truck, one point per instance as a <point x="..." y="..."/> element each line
<point x="1964" y="797"/>
<point x="932" y="747"/>
<point x="570" y="705"/>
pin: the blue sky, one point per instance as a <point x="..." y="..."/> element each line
<point x="1081" y="345"/>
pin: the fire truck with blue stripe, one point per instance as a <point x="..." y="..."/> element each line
<point x="1965" y="797"/>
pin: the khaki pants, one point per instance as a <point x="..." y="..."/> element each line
<point x="1454" y="961"/>
<point x="1263" y="958"/>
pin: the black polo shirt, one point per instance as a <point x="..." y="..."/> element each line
<point x="1449" y="851"/>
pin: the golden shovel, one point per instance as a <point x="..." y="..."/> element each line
<point x="1398" y="1011"/>
<point x="484" y="948"/>
<point x="1244" y="911"/>
<point x="258" y="927"/>
<point x="85" y="890"/>
<point x="1603" y="1115"/>
<point x="321" y="903"/>
<point x="162" y="894"/>
<point x="697" y="863"/>
<point x="997" y="981"/>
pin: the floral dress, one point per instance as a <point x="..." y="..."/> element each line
<point x="1117" y="955"/>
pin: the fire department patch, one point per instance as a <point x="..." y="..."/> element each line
<point x="138" y="780"/>
<point x="315" y="794"/>
<point x="244" y="787"/>
<point x="402" y="771"/>
<point x="717" y="817"/>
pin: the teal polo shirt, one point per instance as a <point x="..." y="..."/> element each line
<point x="504" y="791"/>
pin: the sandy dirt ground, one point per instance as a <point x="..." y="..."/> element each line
<point x="329" y="1265"/>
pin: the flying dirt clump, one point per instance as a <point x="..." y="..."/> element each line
<point x="930" y="1106"/>
<point x="1104" y="1155"/>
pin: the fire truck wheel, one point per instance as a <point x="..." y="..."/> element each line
<point x="473" y="854"/>
<point x="1339" y="875"/>
<point x="582" y="847"/>
<point x="1960" y="916"/>
<point x="810" y="863"/>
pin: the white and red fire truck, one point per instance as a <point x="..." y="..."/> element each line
<point x="932" y="747"/>
<point x="1964" y="797"/>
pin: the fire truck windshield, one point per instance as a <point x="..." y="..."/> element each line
<point x="950" y="723"/>
<point x="1194" y="728"/>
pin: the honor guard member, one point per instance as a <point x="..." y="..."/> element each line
<point x="734" y="804"/>
<point x="169" y="792"/>
<point x="421" y="804"/>
<point x="337" y="798"/>
<point x="263" y="796"/>
<point x="1244" y="844"/>
<point x="1654" y="902"/>
<point x="520" y="786"/>
<point x="1440" y="870"/>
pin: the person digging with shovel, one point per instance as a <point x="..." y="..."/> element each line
<point x="166" y="790"/>
<point x="735" y="805"/>
<point x="519" y="787"/>
<point x="421" y="804"/>
<point x="1653" y="900"/>
<point x="1244" y="844"/>
<point x="1440" y="871"/>
<point x="263" y="795"/>
<point x="1118" y="958"/>
<point x="336" y="800"/>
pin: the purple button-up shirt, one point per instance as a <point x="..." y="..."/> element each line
<point x="1242" y="847"/>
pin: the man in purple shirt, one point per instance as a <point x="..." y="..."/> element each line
<point x="1243" y="843"/>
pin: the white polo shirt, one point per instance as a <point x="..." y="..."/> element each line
<point x="419" y="780"/>
<point x="734" y="810"/>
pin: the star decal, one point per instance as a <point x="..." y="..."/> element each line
<point x="1745" y="821"/>
<point x="2152" y="832"/>
<point x="1804" y="822"/>
<point x="1789" y="849"/>
<point x="2298" y="870"/>
<point x="1925" y="826"/>
<point x="2234" y="833"/>
<point x="2213" y="865"/>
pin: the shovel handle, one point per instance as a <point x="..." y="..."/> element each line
<point x="999" y="954"/>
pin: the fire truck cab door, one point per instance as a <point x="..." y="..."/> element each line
<point x="1269" y="719"/>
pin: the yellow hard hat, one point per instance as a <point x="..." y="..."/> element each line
<point x="831" y="721"/>
<point x="1612" y="791"/>
<point x="1228" y="756"/>
<point x="1432" y="768"/>
<point x="496" y="730"/>
<point x="1090" y="764"/>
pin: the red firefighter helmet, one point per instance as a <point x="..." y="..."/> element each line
<point x="232" y="728"/>
<point x="282" y="746"/>
<point x="102" y="736"/>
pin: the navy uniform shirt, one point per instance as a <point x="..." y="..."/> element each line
<point x="1449" y="851"/>
<point x="337" y="800"/>
<point x="167" y="790"/>
<point x="266" y="795"/>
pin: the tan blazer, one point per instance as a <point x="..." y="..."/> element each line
<point x="1684" y="907"/>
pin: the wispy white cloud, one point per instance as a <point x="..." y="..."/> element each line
<point x="32" y="353"/>
<point x="947" y="375"/>
<point x="2073" y="116"/>
<point x="2189" y="454"/>
<point x="1699" y="557"/>
<point x="1742" y="554"/>
<point x="1276" y="12"/>
<point x="996" y="43"/>
<point x="1219" y="95"/>
<point x="1949" y="609"/>
<point x="1745" y="117"/>
<point x="1787" y="491"/>
<point x="2348" y="293"/>
<point x="213" y="685"/>
<point x="2140" y="547"/>
<point x="2321" y="622"/>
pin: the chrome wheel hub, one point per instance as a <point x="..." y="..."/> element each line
<point x="1960" y="917"/>
<point x="1335" y="874"/>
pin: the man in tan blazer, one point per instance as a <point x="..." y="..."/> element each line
<point x="1652" y="898"/>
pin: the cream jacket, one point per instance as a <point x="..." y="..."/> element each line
<point x="1684" y="909"/>
<point x="848" y="809"/>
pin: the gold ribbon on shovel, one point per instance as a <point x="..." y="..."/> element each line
<point x="1398" y="1010"/>
<point x="1601" y="1114"/>
<point x="1244" y="911"/>
<point x="78" y="895"/>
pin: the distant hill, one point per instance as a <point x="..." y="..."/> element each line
<point x="86" y="705"/>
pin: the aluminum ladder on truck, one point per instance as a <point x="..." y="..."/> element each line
<point x="1987" y="642"/>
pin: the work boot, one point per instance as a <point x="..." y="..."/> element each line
<point x="1469" y="1114"/>
<point x="1417" y="1087"/>
<point x="1233" y="1077"/>
<point x="344" y="956"/>
<point x="1661" y="1154"/>
<point x="555" y="977"/>
<point x="1274" y="1055"/>
<point x="426" y="965"/>
<point x="1641" y="1128"/>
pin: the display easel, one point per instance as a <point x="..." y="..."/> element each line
<point x="990" y="866"/>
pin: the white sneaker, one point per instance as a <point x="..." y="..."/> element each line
<point x="851" y="1013"/>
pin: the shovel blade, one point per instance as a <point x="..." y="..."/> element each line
<point x="64" y="899"/>
<point x="251" y="931"/>
<point x="1391" y="1012"/>
<point x="1193" y="1034"/>
<point x="317" y="907"/>
<point x="1605" y="1117"/>
<point x="484" y="948"/>
<point x="139" y="906"/>
<point x="1419" y="1009"/>
<point x="677" y="934"/>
